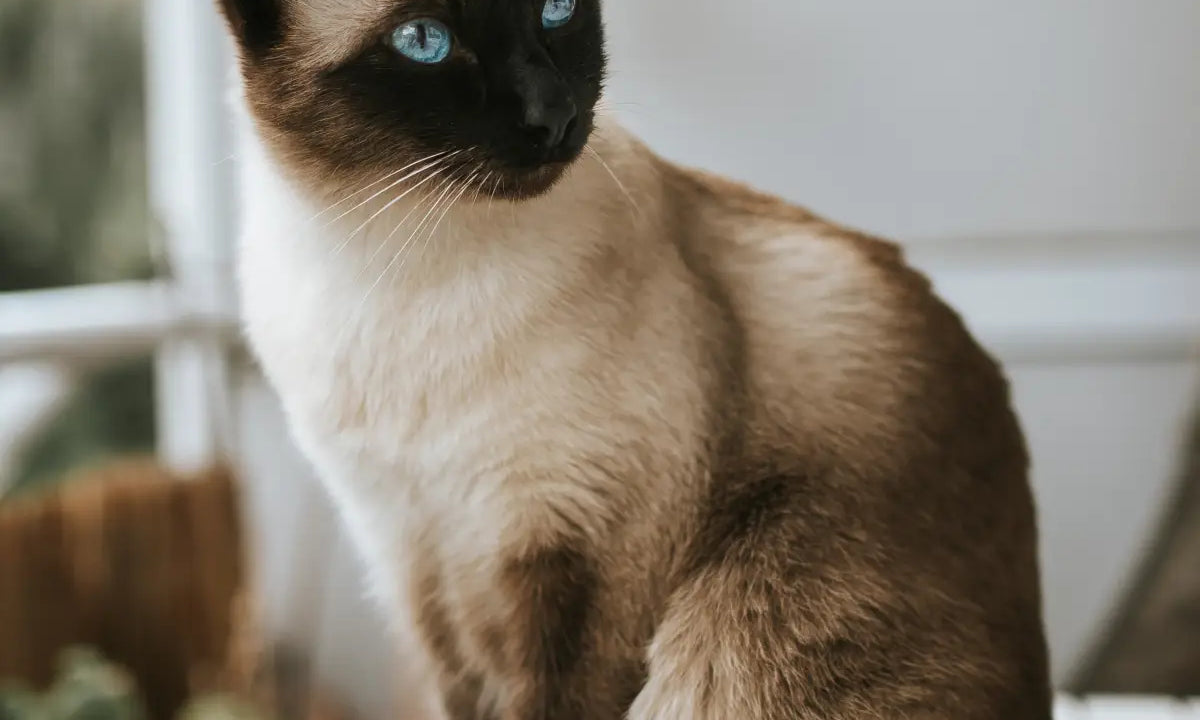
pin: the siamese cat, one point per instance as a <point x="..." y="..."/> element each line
<point x="618" y="439"/>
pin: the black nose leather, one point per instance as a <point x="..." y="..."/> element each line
<point x="549" y="111"/>
<point x="550" y="124"/>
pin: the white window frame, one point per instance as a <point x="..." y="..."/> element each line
<point x="187" y="320"/>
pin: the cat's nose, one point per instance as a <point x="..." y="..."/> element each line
<point x="548" y="110"/>
<point x="550" y="123"/>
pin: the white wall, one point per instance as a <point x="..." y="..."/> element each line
<point x="929" y="117"/>
<point x="1064" y="132"/>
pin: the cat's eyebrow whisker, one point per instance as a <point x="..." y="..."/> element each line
<point x="624" y="190"/>
<point x="410" y="175"/>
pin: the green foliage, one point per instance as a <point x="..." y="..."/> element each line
<point x="88" y="687"/>
<point x="73" y="195"/>
<point x="108" y="416"/>
<point x="220" y="707"/>
<point x="73" y="202"/>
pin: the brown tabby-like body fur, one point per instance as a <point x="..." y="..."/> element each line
<point x="661" y="448"/>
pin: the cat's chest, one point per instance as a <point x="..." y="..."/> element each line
<point x="425" y="415"/>
<point x="427" y="388"/>
<point x="385" y="372"/>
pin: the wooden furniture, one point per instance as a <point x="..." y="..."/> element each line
<point x="141" y="564"/>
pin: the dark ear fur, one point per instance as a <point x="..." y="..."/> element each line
<point x="257" y="25"/>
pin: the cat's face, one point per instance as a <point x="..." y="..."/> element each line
<point x="498" y="94"/>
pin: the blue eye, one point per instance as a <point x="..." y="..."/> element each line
<point x="557" y="13"/>
<point x="426" y="41"/>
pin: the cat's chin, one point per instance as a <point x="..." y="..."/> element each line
<point x="518" y="184"/>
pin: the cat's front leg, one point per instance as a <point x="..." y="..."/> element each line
<point x="459" y="686"/>
<point x="540" y="652"/>
<point x="461" y="698"/>
<point x="517" y="647"/>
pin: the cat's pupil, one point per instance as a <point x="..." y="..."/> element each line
<point x="556" y="13"/>
<point x="425" y="41"/>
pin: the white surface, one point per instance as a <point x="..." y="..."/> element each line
<point x="1054" y="300"/>
<point x="1126" y="708"/>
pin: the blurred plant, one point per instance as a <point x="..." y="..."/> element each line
<point x="220" y="707"/>
<point x="87" y="688"/>
<point x="73" y="203"/>
<point x="91" y="688"/>
<point x="73" y="200"/>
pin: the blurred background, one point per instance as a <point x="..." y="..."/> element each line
<point x="1039" y="159"/>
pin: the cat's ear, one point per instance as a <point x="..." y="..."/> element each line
<point x="257" y="25"/>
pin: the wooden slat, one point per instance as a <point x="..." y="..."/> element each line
<point x="141" y="564"/>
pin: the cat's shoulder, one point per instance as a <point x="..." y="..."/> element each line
<point x="834" y="320"/>
<point x="753" y="219"/>
<point x="770" y="250"/>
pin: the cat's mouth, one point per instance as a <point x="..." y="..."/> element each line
<point x="531" y="177"/>
<point x="525" y="183"/>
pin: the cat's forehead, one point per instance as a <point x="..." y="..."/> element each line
<point x="338" y="27"/>
<point x="334" y="18"/>
<point x="334" y="29"/>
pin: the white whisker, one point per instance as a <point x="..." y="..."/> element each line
<point x="624" y="190"/>
<point x="383" y="179"/>
<point x="396" y="256"/>
<point x="479" y="194"/>
<point x="433" y="231"/>
<point x="483" y="183"/>
<point x="391" y="203"/>
<point x="414" y="173"/>
<point x="434" y="156"/>
<point x="413" y="209"/>
<point x="492" y="195"/>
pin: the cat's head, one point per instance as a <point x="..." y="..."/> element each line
<point x="348" y="91"/>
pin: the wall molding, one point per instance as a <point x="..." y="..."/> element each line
<point x="1077" y="298"/>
